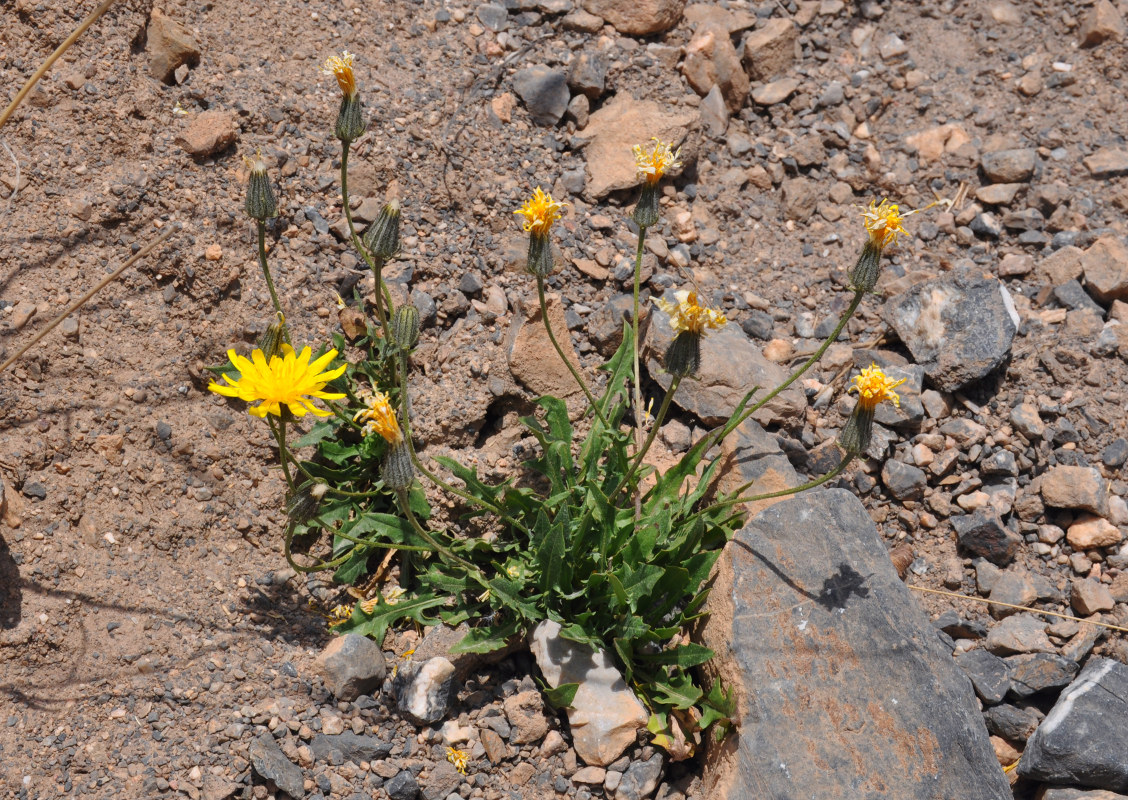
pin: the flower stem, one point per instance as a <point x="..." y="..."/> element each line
<point x="401" y="494"/>
<point x="266" y="274"/>
<point x="279" y="432"/>
<point x="634" y="328"/>
<point x="637" y="462"/>
<point x="564" y="358"/>
<point x="376" y="265"/>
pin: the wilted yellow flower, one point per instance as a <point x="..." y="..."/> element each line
<point x="539" y="211"/>
<point x="460" y="758"/>
<point x="340" y="67"/>
<point x="284" y="380"/>
<point x="660" y="160"/>
<point x="379" y="417"/>
<point x="874" y="386"/>
<point x="885" y="222"/>
<point x="690" y="316"/>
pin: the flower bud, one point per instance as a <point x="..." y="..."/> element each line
<point x="270" y="343"/>
<point x="260" y="204"/>
<point x="863" y="278"/>
<point x="303" y="506"/>
<point x="382" y="239"/>
<point x="398" y="471"/>
<point x="405" y="327"/>
<point x="683" y="356"/>
<point x="539" y="261"/>
<point x="350" y="119"/>
<point x="858" y="430"/>
<point x="646" y="212"/>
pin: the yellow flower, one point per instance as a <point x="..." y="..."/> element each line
<point x="874" y="387"/>
<point x="540" y="211"/>
<point x="285" y="379"/>
<point x="688" y="315"/>
<point x="653" y="165"/>
<point x="379" y="417"/>
<point x="460" y="758"/>
<point x="885" y="222"/>
<point x="340" y="67"/>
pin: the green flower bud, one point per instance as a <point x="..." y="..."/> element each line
<point x="350" y="119"/>
<point x="382" y="239"/>
<point x="405" y="327"/>
<point x="260" y="204"/>
<point x="539" y="261"/>
<point x="270" y="343"/>
<point x="863" y="278"/>
<point x="858" y="430"/>
<point x="683" y="356"/>
<point x="398" y="471"/>
<point x="646" y="212"/>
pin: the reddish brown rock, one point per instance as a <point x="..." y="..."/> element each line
<point x="170" y="45"/>
<point x="1105" y="265"/>
<point x="638" y="17"/>
<point x="209" y="133"/>
<point x="1103" y="22"/>
<point x="770" y="50"/>
<point x="711" y="60"/>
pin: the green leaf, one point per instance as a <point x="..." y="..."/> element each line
<point x="550" y="554"/>
<point x="320" y="430"/>
<point x="717" y="706"/>
<point x="509" y="593"/>
<point x="684" y="656"/>
<point x="677" y="692"/>
<point x="487" y="639"/>
<point x="375" y="625"/>
<point x="354" y="568"/>
<point x="562" y="696"/>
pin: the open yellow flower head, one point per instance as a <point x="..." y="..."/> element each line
<point x="340" y="67"/>
<point x="689" y="315"/>
<point x="255" y="164"/>
<point x="379" y="417"/>
<point x="288" y="379"/>
<point x="460" y="758"/>
<point x="884" y="222"/>
<point x="539" y="211"/>
<point x="660" y="160"/>
<point x="874" y="386"/>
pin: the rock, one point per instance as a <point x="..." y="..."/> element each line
<point x="1014" y="265"/>
<point x="1066" y="793"/>
<point x="208" y="133"/>
<point x="1015" y="588"/>
<point x="1089" y="531"/>
<point x="494" y="745"/>
<point x="1026" y="420"/>
<point x="493" y="17"/>
<point x="1010" y="166"/>
<point x="641" y="779"/>
<point x="442" y="781"/>
<point x="714" y="113"/>
<point x="775" y="92"/>
<point x="402" y="787"/>
<point x="581" y="21"/>
<point x="214" y="787"/>
<point x="711" y="60"/>
<point x="170" y="45"/>
<point x="525" y="712"/>
<point x="22" y="313"/>
<point x="1115" y="454"/>
<point x="533" y="360"/>
<point x="769" y="51"/>
<point x="590" y="775"/>
<point x="800" y="196"/>
<point x="1075" y="487"/>
<point x="545" y="92"/>
<point x="730" y="365"/>
<point x="903" y="481"/>
<point x="984" y="534"/>
<point x="605" y="715"/>
<point x="1013" y="723"/>
<point x="989" y="674"/>
<point x="1090" y="597"/>
<point x="1075" y="298"/>
<point x="1031" y="673"/>
<point x="270" y="764"/>
<point x="810" y="622"/>
<point x="933" y="143"/>
<point x="1108" y="162"/>
<point x="353" y="747"/>
<point x="617" y="127"/>
<point x="1023" y="633"/>
<point x="959" y="326"/>
<point x="1076" y="743"/>
<point x="1105" y="265"/>
<point x="752" y="455"/>
<point x="351" y="665"/>
<point x="1103" y="22"/>
<point x="1061" y="266"/>
<point x="588" y="73"/>
<point x="423" y="691"/>
<point x="638" y="17"/>
<point x="997" y="194"/>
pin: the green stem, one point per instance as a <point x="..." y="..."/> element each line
<point x="564" y="358"/>
<point x="637" y="462"/>
<point x="849" y="312"/>
<point x="405" y="506"/>
<point x="834" y="473"/>
<point x="377" y="265"/>
<point x="279" y="432"/>
<point x="269" y="280"/>
<point x="634" y="327"/>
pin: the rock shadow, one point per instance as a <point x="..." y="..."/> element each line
<point x="11" y="589"/>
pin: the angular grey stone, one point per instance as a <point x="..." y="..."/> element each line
<point x="1069" y="793"/>
<point x="402" y="787"/>
<point x="641" y="779"/>
<point x="1074" y="297"/>
<point x="1010" y="166"/>
<point x="959" y="326"/>
<point x="353" y="747"/>
<point x="730" y="366"/>
<point x="989" y="674"/>
<point x="1013" y="723"/>
<point x="904" y="481"/>
<point x="351" y="665"/>
<point x="493" y="17"/>
<point x="588" y="73"/>
<point x="423" y="690"/>
<point x="545" y="92"/>
<point x="810" y="622"/>
<point x="1036" y="672"/>
<point x="1083" y="740"/>
<point x="1022" y="633"/>
<point x="442" y="781"/>
<point x="270" y="763"/>
<point x="984" y="534"/>
<point x="753" y="456"/>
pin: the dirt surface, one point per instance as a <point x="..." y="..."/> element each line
<point x="149" y="626"/>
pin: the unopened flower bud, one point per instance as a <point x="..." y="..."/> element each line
<point x="350" y="119"/>
<point x="863" y="278"/>
<point x="405" y="327"/>
<point x="398" y="471"/>
<point x="858" y="430"/>
<point x="270" y="343"/>
<point x="539" y="261"/>
<point x="382" y="239"/>
<point x="683" y="356"/>
<point x="303" y="506"/>
<point x="646" y="212"/>
<point x="260" y="204"/>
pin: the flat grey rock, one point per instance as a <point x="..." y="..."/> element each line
<point x="959" y="327"/>
<point x="841" y="678"/>
<point x="353" y="747"/>
<point x="545" y="92"/>
<point x="270" y="763"/>
<point x="1083" y="741"/>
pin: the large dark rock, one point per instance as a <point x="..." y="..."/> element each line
<point x="959" y="326"/>
<point x="990" y="675"/>
<point x="270" y="763"/>
<point x="351" y="747"/>
<point x="545" y="92"/>
<point x="844" y="689"/>
<point x="1083" y="741"/>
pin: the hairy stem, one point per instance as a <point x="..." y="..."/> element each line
<point x="376" y="265"/>
<point x="560" y="352"/>
<point x="634" y="328"/>
<point x="266" y="274"/>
